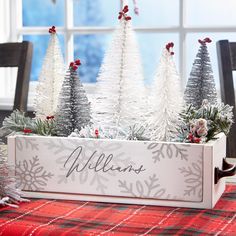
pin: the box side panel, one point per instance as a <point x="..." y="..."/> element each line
<point x="219" y="152"/>
<point x="214" y="152"/>
<point x="207" y="175"/>
<point x="145" y="170"/>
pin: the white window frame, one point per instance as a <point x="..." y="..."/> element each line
<point x="17" y="30"/>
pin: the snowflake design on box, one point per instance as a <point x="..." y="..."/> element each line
<point x="193" y="179"/>
<point x="149" y="188"/>
<point x="163" y="150"/>
<point x="98" y="180"/>
<point x="31" y="175"/>
<point x="58" y="146"/>
<point x="27" y="143"/>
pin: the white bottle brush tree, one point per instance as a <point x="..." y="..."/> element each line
<point x="74" y="108"/>
<point x="50" y="78"/>
<point x="201" y="84"/>
<point x="120" y="100"/>
<point x="166" y="98"/>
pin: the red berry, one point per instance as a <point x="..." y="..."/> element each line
<point x="96" y="132"/>
<point x="172" y="53"/>
<point x="53" y="27"/>
<point x="27" y="131"/>
<point x="78" y="62"/>
<point x="52" y="30"/>
<point x="125" y="10"/>
<point x="171" y="44"/>
<point x="127" y="18"/>
<point x="190" y="136"/>
<point x="201" y="42"/>
<point x="196" y="140"/>
<point x="74" y="67"/>
<point x="207" y="40"/>
<point x="72" y="64"/>
<point x="50" y="117"/>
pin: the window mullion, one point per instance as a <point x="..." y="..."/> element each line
<point x="182" y="42"/>
<point x="69" y="23"/>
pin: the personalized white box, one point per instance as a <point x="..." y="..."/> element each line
<point x="134" y="172"/>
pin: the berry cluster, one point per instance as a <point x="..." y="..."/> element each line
<point x="74" y="65"/>
<point x="50" y="117"/>
<point x="193" y="139"/>
<point x="122" y="14"/>
<point x="169" y="47"/>
<point x="52" y="30"/>
<point x="198" y="131"/>
<point x="27" y="131"/>
<point x="204" y="41"/>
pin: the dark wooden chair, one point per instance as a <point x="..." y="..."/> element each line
<point x="18" y="55"/>
<point x="226" y="52"/>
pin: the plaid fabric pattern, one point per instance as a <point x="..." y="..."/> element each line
<point x="63" y="218"/>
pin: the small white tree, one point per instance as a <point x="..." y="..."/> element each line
<point x="120" y="100"/>
<point x="50" y="78"/>
<point x="166" y="98"/>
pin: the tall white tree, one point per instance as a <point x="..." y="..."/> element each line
<point x="120" y="100"/>
<point x="166" y="98"/>
<point x="50" y="78"/>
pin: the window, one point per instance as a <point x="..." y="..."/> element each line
<point x="85" y="27"/>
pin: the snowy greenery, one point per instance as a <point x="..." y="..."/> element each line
<point x="18" y="122"/>
<point x="219" y="119"/>
<point x="135" y="132"/>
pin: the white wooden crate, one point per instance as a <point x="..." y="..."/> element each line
<point x="135" y="172"/>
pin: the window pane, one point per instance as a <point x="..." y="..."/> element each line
<point x="40" y="44"/>
<point x="96" y="13"/>
<point x="193" y="46"/>
<point x="43" y="12"/>
<point x="90" y="50"/>
<point x="155" y="13"/>
<point x="151" y="46"/>
<point x="210" y="13"/>
<point x="105" y="12"/>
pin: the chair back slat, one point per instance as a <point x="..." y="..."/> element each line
<point x="226" y="53"/>
<point x="233" y="55"/>
<point x="18" y="55"/>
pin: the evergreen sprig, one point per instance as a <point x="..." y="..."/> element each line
<point x="219" y="119"/>
<point x="18" y="122"/>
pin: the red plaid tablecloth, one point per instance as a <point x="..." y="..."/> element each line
<point x="56" y="217"/>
